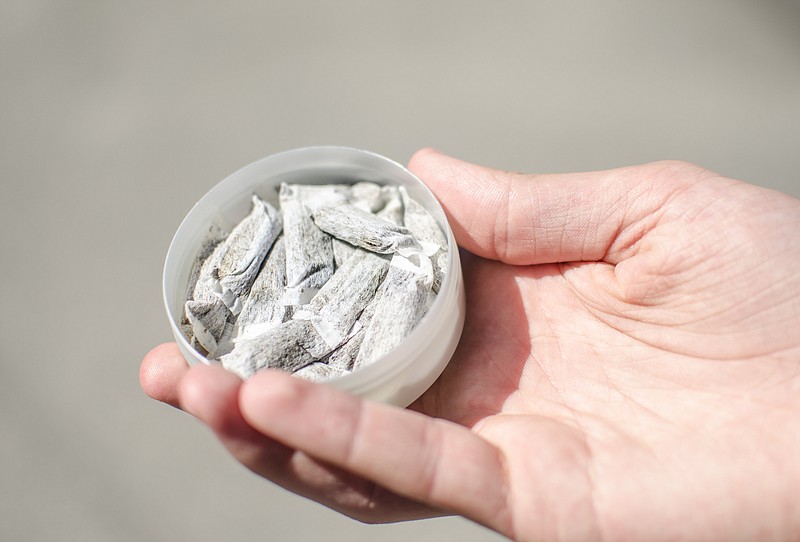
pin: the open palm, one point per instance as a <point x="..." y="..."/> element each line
<point x="629" y="369"/>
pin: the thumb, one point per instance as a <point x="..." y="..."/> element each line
<point x="535" y="219"/>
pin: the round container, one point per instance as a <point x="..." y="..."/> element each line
<point x="403" y="374"/>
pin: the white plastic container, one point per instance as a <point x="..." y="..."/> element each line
<point x="401" y="375"/>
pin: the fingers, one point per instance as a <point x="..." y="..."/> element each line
<point x="161" y="370"/>
<point x="534" y="219"/>
<point x="212" y="395"/>
<point x="423" y="459"/>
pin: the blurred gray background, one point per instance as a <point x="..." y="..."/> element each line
<point x="116" y="117"/>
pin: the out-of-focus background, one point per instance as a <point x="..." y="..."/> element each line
<point x="115" y="117"/>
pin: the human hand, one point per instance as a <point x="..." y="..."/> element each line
<point x="629" y="369"/>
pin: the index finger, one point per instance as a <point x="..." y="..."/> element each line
<point x="160" y="372"/>
<point x="430" y="461"/>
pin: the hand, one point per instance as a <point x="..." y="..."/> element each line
<point x="629" y="369"/>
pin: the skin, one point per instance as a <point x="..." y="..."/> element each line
<point x="629" y="369"/>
